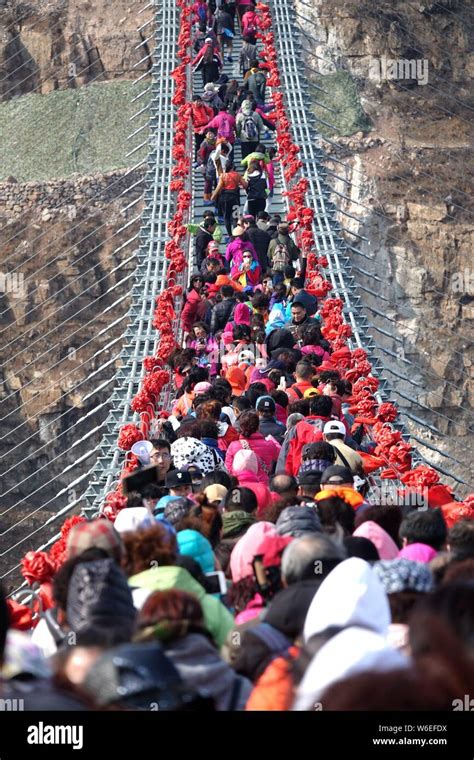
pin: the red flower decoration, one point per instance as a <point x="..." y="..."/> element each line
<point x="36" y="567"/>
<point x="129" y="434"/>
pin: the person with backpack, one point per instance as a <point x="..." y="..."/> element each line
<point x="256" y="82"/>
<point x="259" y="239"/>
<point x="228" y="194"/>
<point x="281" y="252"/>
<point x="304" y="373"/>
<point x="257" y="189"/>
<point x="250" y="439"/>
<point x="307" y="431"/>
<point x="249" y="126"/>
<point x="248" y="54"/>
<point x="225" y="125"/>
<point x="250" y="23"/>
<point x="208" y="145"/>
<point x="223" y="311"/>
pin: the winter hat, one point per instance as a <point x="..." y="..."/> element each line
<point x="99" y="534"/>
<point x="404" y="575"/>
<point x="215" y="492"/>
<point x="246" y="107"/>
<point x="99" y="599"/>
<point x="132" y="518"/>
<point x="176" y="509"/>
<point x="237" y="379"/>
<point x="298" y="521"/>
<point x="189" y="450"/>
<point x="242" y="314"/>
<point x="193" y="544"/>
<point x="210" y="87"/>
<point x="384" y="543"/>
<point x="417" y="553"/>
<point x="244" y="461"/>
<point x="246" y="357"/>
<point x="261" y="538"/>
<point x="313" y="465"/>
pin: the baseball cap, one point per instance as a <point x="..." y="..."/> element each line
<point x="215" y="492"/>
<point x="310" y="478"/>
<point x="176" y="478"/>
<point x="203" y="387"/>
<point x="337" y="475"/>
<point x="334" y="426"/>
<point x="266" y="404"/>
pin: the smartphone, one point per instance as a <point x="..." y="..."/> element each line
<point x="216" y="583"/>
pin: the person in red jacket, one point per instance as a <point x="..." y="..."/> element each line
<point x="201" y="114"/>
<point x="193" y="306"/>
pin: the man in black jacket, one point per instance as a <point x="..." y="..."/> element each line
<point x="259" y="239"/>
<point x="222" y="312"/>
<point x="268" y="424"/>
<point x="203" y="238"/>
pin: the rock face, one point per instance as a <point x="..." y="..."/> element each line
<point x="408" y="181"/>
<point x="63" y="311"/>
<point x="51" y="45"/>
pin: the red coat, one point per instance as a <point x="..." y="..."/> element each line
<point x="191" y="310"/>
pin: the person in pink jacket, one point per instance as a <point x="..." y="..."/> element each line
<point x="224" y="123"/>
<point x="260" y="539"/>
<point x="235" y="250"/>
<point x="245" y="469"/>
<point x="249" y="23"/>
<point x="250" y="439"/>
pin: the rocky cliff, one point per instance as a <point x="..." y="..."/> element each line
<point x="407" y="179"/>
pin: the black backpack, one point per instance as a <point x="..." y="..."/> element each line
<point x="256" y="188"/>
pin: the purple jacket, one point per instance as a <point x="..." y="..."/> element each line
<point x="234" y="251"/>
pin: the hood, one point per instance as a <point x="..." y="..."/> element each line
<point x="288" y="609"/>
<point x="195" y="545"/>
<point x="351" y="595"/>
<point x="242" y="314"/>
<point x="246" y="108"/>
<point x="349" y="652"/>
<point x="234" y="523"/>
<point x="245" y="460"/>
<point x="167" y="577"/>
<point x="187" y="450"/>
<point x="417" y="552"/>
<point x="261" y="538"/>
<point x="298" y="521"/>
<point x="384" y="543"/>
<point x="279" y="339"/>
<point x="99" y="599"/>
